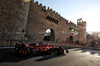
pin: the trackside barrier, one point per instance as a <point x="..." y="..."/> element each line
<point x="78" y="46"/>
<point x="11" y="43"/>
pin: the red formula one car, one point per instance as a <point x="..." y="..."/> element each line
<point x="38" y="48"/>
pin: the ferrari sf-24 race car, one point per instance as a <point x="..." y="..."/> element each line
<point x="38" y="48"/>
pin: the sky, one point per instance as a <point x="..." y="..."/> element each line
<point x="88" y="10"/>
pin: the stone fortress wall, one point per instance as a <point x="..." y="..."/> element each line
<point x="13" y="18"/>
<point x="24" y="18"/>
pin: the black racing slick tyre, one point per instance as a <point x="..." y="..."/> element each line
<point x="60" y="51"/>
<point x="24" y="51"/>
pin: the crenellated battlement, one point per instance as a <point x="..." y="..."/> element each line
<point x="50" y="12"/>
<point x="54" y="11"/>
<point x="36" y="3"/>
<point x="44" y="7"/>
<point x="83" y="23"/>
<point x="40" y="5"/>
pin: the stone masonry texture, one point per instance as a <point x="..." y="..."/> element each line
<point x="24" y="18"/>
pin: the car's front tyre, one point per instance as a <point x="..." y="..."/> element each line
<point x="60" y="50"/>
<point x="24" y="51"/>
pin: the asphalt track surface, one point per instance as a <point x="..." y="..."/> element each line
<point x="75" y="57"/>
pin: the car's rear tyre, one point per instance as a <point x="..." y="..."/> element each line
<point x="24" y="51"/>
<point x="60" y="51"/>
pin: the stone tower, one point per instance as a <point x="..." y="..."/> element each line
<point x="81" y="26"/>
<point x="13" y="18"/>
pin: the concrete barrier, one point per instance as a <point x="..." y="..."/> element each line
<point x="11" y="43"/>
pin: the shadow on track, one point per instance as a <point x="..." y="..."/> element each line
<point x="47" y="57"/>
<point x="10" y="55"/>
<point x="92" y="51"/>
